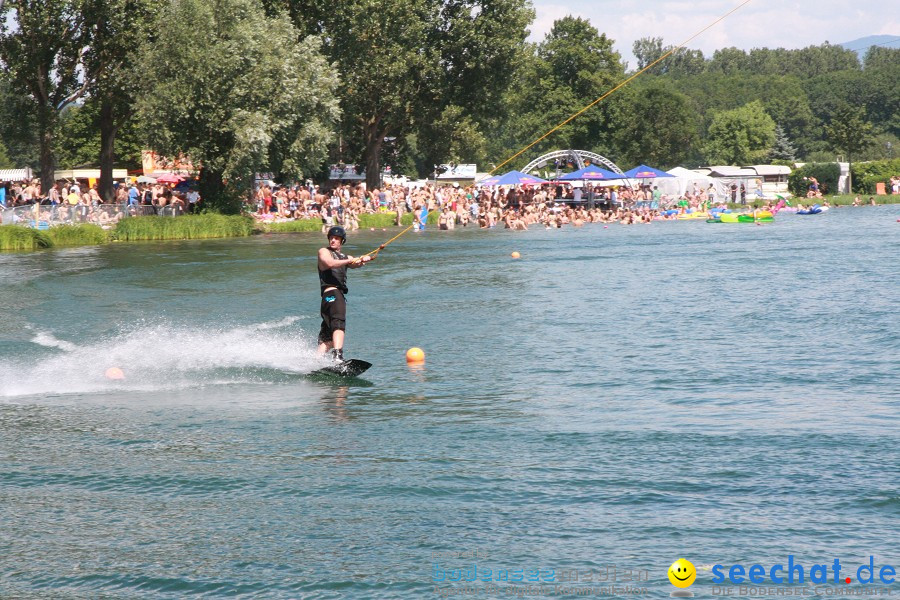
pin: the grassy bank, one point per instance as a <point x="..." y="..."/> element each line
<point x="366" y="221"/>
<point x="16" y="237"/>
<point x="407" y="219"/>
<point x="77" y="235"/>
<point x="832" y="200"/>
<point x="848" y="200"/>
<point x="378" y="220"/>
<point x="298" y="226"/>
<point x="187" y="227"/>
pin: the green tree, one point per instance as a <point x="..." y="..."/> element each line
<point x="849" y="132"/>
<point x="647" y="50"/>
<point x="765" y="61"/>
<point x="454" y="138"/>
<point x="728" y="61"/>
<point x="826" y="58"/>
<point x="806" y="62"/>
<point x="741" y="136"/>
<point x="880" y="57"/>
<point x="250" y="97"/>
<point x="77" y="143"/>
<point x="41" y="43"/>
<point x="684" y="62"/>
<point x="111" y="28"/>
<point x="78" y="140"/>
<point x="827" y="93"/>
<point x="405" y="62"/>
<point x="882" y="70"/>
<point x="681" y="61"/>
<point x="783" y="150"/>
<point x="5" y="162"/>
<point x="790" y="109"/>
<point x="573" y="66"/>
<point x="17" y="127"/>
<point x="659" y="128"/>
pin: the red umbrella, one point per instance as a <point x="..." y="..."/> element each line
<point x="169" y="178"/>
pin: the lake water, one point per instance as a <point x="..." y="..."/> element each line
<point x="618" y="396"/>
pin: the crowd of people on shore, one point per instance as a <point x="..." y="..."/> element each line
<point x="71" y="202"/>
<point x="514" y="207"/>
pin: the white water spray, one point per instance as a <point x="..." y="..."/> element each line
<point x="164" y="357"/>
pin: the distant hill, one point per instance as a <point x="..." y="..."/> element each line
<point x="861" y="45"/>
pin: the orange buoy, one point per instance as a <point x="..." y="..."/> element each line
<point x="415" y="355"/>
<point x="515" y="255"/>
<point x="114" y="373"/>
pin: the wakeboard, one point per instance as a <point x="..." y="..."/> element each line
<point x="347" y="368"/>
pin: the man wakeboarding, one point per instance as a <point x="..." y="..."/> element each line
<point x="333" y="266"/>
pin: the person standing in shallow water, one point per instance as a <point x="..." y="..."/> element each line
<point x="333" y="266"/>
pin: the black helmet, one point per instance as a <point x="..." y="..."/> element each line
<point x="338" y="231"/>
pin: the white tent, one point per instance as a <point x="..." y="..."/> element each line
<point x="118" y="174"/>
<point x="685" y="180"/>
<point x="16" y="174"/>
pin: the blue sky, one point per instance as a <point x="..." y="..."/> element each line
<point x="761" y="23"/>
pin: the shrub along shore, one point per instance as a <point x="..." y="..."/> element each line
<point x="187" y="227"/>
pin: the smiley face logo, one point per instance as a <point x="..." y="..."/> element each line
<point x="682" y="573"/>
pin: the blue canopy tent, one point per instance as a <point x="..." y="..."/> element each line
<point x="645" y="172"/>
<point x="512" y="178"/>
<point x="590" y="173"/>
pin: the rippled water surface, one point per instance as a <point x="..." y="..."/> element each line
<point x="618" y="396"/>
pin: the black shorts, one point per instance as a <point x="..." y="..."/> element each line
<point x="334" y="314"/>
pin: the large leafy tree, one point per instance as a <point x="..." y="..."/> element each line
<point x="826" y="58"/>
<point x="741" y="136"/>
<point x="881" y="57"/>
<point x="659" y="127"/>
<point x="113" y="28"/>
<point x="790" y="109"/>
<point x="684" y="62"/>
<point x="41" y="47"/>
<point x="251" y="95"/>
<point x="407" y="66"/>
<point x="454" y="137"/>
<point x="572" y="67"/>
<point x="849" y="132"/>
<point x="729" y="61"/>
<point x="647" y="50"/>
<point x="882" y="69"/>
<point x="679" y="63"/>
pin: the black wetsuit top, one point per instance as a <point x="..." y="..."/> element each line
<point x="336" y="277"/>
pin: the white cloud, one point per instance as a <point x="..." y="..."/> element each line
<point x="759" y="24"/>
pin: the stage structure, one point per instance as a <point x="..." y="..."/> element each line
<point x="558" y="161"/>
